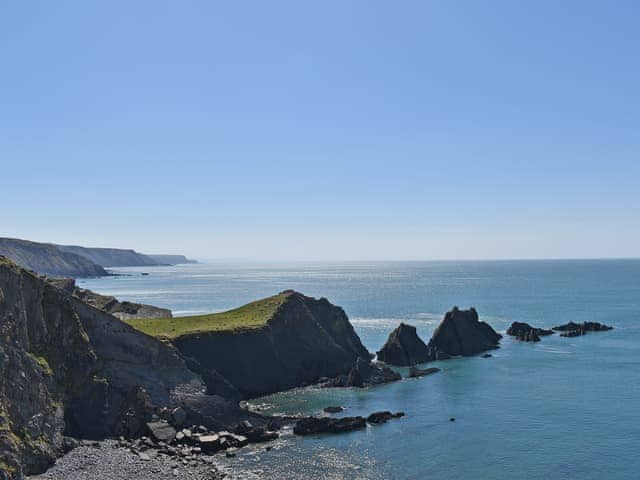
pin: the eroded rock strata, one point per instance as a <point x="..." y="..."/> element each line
<point x="404" y="347"/>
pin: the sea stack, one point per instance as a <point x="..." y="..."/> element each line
<point x="404" y="347"/>
<point x="461" y="333"/>
<point x="526" y="333"/>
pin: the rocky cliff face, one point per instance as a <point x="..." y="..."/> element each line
<point x="461" y="333"/>
<point x="48" y="259"/>
<point x="66" y="367"/>
<point x="404" y="347"/>
<point x="171" y="259"/>
<point x="111" y="257"/>
<point x="305" y="339"/>
<point x="111" y="305"/>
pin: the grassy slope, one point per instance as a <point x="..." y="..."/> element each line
<point x="250" y="316"/>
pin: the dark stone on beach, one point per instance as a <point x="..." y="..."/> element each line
<point x="415" y="372"/>
<point x="461" y="333"/>
<point x="572" y="329"/>
<point x="255" y="434"/>
<point x="315" y="425"/>
<point x="333" y="409"/>
<point x="161" y="431"/>
<point x="526" y="333"/>
<point x="404" y="347"/>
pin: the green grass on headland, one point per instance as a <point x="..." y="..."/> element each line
<point x="250" y="316"/>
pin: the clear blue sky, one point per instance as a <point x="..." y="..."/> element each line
<point x="323" y="130"/>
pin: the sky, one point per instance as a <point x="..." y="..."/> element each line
<point x="327" y="130"/>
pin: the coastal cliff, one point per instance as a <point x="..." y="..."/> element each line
<point x="67" y="368"/>
<point x="48" y="259"/>
<point x="270" y="345"/>
<point x="111" y="257"/>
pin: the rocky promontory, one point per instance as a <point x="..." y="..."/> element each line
<point x="572" y="329"/>
<point x="461" y="333"/>
<point x="404" y="347"/>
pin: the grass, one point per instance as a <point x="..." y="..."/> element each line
<point x="250" y="316"/>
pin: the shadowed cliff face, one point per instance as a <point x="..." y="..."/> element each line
<point x="404" y="347"/>
<point x="306" y="339"/>
<point x="66" y="367"/>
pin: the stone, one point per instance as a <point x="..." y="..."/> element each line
<point x="333" y="409"/>
<point x="178" y="417"/>
<point x="572" y="329"/>
<point x="162" y="431"/>
<point x="315" y="425"/>
<point x="404" y="347"/>
<point x="526" y="333"/>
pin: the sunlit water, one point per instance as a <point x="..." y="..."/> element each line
<point x="564" y="408"/>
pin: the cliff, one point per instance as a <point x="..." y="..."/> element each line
<point x="171" y="259"/>
<point x="111" y="257"/>
<point x="274" y="344"/>
<point x="68" y="368"/>
<point x="48" y="259"/>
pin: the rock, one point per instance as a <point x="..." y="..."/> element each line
<point x="136" y="410"/>
<point x="69" y="443"/>
<point x="415" y="372"/>
<point x="315" y="425"/>
<point x="209" y="443"/>
<point x="461" y="334"/>
<point x="572" y="329"/>
<point x="255" y="434"/>
<point x="487" y="355"/>
<point x="383" y="417"/>
<point x="452" y="419"/>
<point x="526" y="333"/>
<point x="144" y="456"/>
<point x="162" y="431"/>
<point x="365" y="373"/>
<point x="404" y="347"/>
<point x="178" y="417"/>
<point x="333" y="409"/>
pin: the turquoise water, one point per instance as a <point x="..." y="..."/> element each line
<point x="563" y="408"/>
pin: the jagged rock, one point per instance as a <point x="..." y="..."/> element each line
<point x="137" y="409"/>
<point x="572" y="329"/>
<point x="366" y="373"/>
<point x="415" y="372"/>
<point x="178" y="416"/>
<point x="526" y="333"/>
<point x="333" y="409"/>
<point x="404" y="347"/>
<point x="255" y="434"/>
<point x="314" y="425"/>
<point x="383" y="417"/>
<point x="461" y="334"/>
<point x="301" y="331"/>
<point x="162" y="431"/>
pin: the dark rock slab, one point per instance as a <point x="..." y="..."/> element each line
<point x="461" y="333"/>
<point x="404" y="347"/>
<point x="415" y="372"/>
<point x="161" y="431"/>
<point x="333" y="409"/>
<point x="572" y="329"/>
<point x="315" y="425"/>
<point x="383" y="417"/>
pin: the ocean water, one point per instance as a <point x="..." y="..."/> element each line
<point x="563" y="408"/>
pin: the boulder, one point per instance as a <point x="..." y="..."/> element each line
<point x="315" y="425"/>
<point x="366" y="373"/>
<point x="461" y="333"/>
<point x="526" y="333"/>
<point x="415" y="372"/>
<point x="572" y="329"/>
<point x="161" y="431"/>
<point x="333" y="409"/>
<point x="404" y="347"/>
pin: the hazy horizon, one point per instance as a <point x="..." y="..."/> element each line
<point x="336" y="131"/>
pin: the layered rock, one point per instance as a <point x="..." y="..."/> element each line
<point x="48" y="259"/>
<point x="122" y="310"/>
<point x="526" y="333"/>
<point x="66" y="367"/>
<point x="461" y="333"/>
<point x="303" y="340"/>
<point x="404" y="347"/>
<point x="111" y="257"/>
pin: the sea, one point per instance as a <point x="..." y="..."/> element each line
<point x="562" y="408"/>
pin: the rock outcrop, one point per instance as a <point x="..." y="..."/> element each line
<point x="68" y="368"/>
<point x="364" y="373"/>
<point x="111" y="257"/>
<point x="404" y="347"/>
<point x="526" y="333"/>
<point x="171" y="259"/>
<point x="122" y="310"/>
<point x="303" y="340"/>
<point x="572" y="329"/>
<point x="315" y="425"/>
<point x="415" y="372"/>
<point x="461" y="333"/>
<point x="48" y="259"/>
